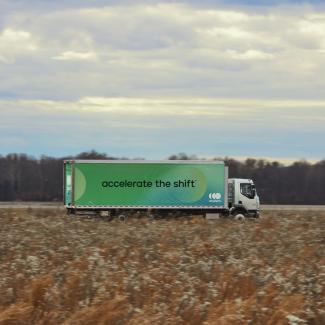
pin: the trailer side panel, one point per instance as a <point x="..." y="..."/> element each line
<point x="149" y="185"/>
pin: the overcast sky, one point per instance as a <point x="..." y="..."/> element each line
<point x="148" y="79"/>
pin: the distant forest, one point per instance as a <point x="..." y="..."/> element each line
<point x="24" y="178"/>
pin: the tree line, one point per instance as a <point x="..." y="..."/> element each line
<point x="25" y="178"/>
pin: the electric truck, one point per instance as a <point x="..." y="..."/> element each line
<point x="107" y="186"/>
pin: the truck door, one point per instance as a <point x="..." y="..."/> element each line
<point x="67" y="184"/>
<point x="248" y="193"/>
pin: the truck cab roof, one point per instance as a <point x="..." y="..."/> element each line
<point x="241" y="180"/>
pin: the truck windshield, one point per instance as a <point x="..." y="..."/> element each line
<point x="248" y="190"/>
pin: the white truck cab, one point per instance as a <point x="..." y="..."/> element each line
<point x="242" y="198"/>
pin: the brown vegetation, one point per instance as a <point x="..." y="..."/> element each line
<point x="58" y="269"/>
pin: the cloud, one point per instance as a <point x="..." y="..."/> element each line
<point x="163" y="76"/>
<point x="15" y="43"/>
<point x="249" y="55"/>
<point x="76" y="56"/>
<point x="154" y="127"/>
<point x="239" y="110"/>
<point x="164" y="49"/>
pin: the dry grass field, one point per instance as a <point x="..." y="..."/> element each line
<point x="59" y="269"/>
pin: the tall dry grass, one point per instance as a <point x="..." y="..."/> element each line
<point x="55" y="269"/>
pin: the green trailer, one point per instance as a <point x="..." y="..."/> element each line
<point x="105" y="185"/>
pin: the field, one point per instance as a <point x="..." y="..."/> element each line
<point x="59" y="269"/>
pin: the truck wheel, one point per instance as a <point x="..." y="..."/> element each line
<point x="71" y="211"/>
<point x="239" y="216"/>
<point x="104" y="213"/>
<point x="122" y="217"/>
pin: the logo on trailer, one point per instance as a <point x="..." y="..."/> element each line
<point x="214" y="197"/>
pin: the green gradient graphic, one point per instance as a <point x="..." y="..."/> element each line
<point x="190" y="184"/>
<point x="82" y="183"/>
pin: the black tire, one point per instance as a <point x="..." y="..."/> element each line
<point x="71" y="211"/>
<point x="240" y="217"/>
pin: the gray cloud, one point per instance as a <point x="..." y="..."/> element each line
<point x="164" y="49"/>
<point x="158" y="127"/>
<point x="150" y="78"/>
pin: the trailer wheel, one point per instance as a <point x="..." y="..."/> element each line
<point x="122" y="217"/>
<point x="239" y="217"/>
<point x="71" y="211"/>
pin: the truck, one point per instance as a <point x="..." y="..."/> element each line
<point x="108" y="186"/>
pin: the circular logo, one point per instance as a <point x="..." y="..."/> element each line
<point x="214" y="196"/>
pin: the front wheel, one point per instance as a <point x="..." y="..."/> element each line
<point x="239" y="216"/>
